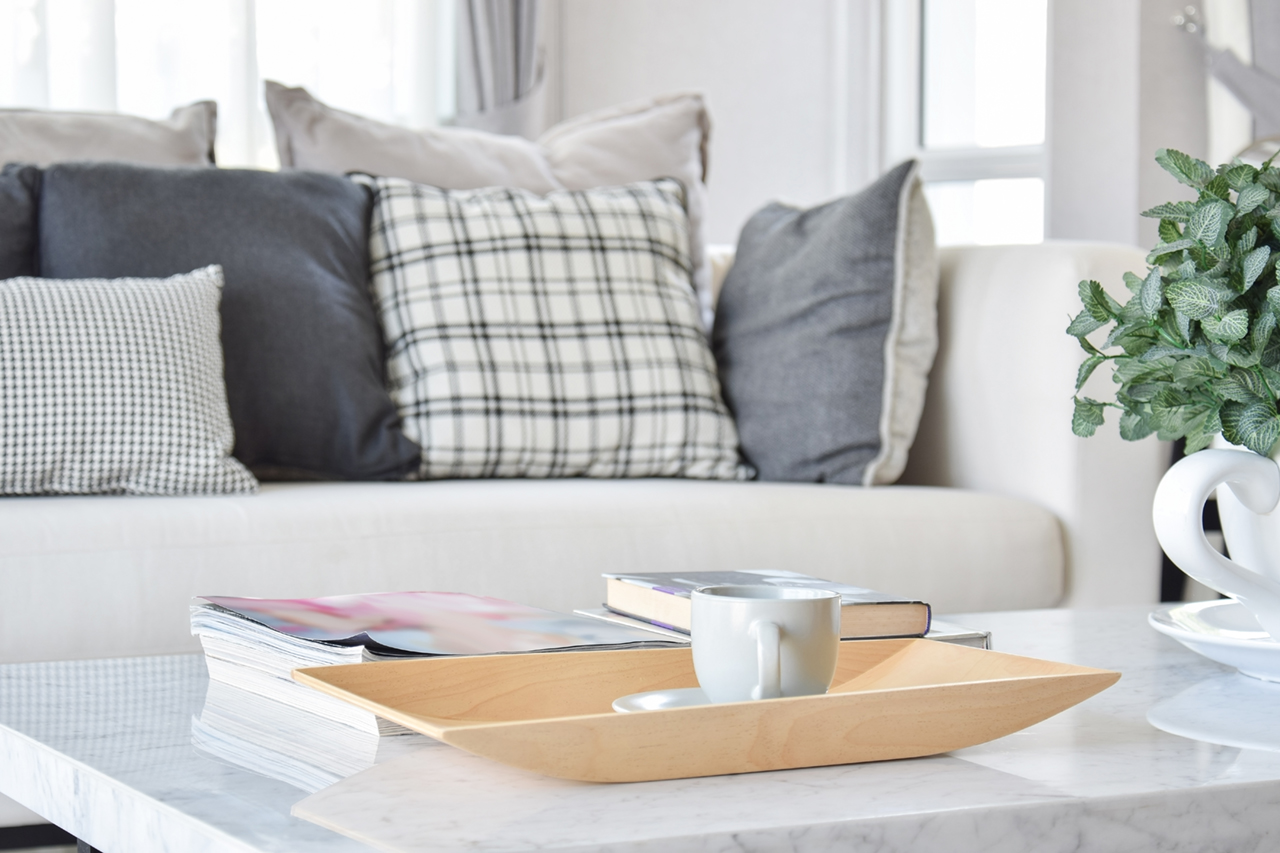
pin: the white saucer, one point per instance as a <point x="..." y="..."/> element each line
<point x="1223" y="631"/>
<point x="1227" y="709"/>
<point x="661" y="700"/>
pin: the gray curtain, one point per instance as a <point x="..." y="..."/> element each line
<point x="500" y="66"/>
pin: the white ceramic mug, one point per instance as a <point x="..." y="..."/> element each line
<point x="1250" y="522"/>
<point x="763" y="642"/>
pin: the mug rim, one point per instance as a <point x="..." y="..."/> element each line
<point x="807" y="593"/>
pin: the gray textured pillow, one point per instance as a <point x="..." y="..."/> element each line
<point x="825" y="332"/>
<point x="114" y="387"/>
<point x="42" y="137"/>
<point x="19" y="189"/>
<point x="303" y="351"/>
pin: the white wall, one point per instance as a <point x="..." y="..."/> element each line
<point x="1123" y="83"/>
<point x="794" y="93"/>
<point x="790" y="86"/>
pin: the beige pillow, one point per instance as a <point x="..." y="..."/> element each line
<point x="663" y="137"/>
<point x="44" y="137"/>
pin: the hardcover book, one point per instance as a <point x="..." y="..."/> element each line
<point x="663" y="598"/>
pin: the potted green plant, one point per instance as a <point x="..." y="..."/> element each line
<point x="1193" y="350"/>
<point x="1195" y="354"/>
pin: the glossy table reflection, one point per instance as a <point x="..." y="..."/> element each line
<point x="103" y="748"/>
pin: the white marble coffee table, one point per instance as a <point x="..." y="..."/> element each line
<point x="104" y="750"/>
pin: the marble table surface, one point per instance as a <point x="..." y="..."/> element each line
<point x="104" y="749"/>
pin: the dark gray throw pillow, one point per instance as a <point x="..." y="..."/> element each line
<point x="825" y="332"/>
<point x="302" y="349"/>
<point x="19" y="191"/>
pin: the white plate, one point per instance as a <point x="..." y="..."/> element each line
<point x="1223" y="631"/>
<point x="1227" y="709"/>
<point x="661" y="700"/>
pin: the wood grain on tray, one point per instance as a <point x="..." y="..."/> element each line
<point x="551" y="713"/>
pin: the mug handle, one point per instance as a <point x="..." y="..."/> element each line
<point x="769" y="660"/>
<point x="1177" y="513"/>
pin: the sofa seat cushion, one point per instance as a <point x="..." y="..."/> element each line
<point x="109" y="576"/>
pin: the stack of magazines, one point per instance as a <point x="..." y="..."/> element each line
<point x="254" y="644"/>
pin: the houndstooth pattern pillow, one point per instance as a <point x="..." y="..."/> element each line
<point x="547" y="336"/>
<point x="114" y="387"/>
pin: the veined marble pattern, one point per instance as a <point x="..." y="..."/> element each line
<point x="104" y="749"/>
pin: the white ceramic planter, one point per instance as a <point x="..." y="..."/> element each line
<point x="1250" y="523"/>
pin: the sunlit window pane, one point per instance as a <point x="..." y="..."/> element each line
<point x="988" y="213"/>
<point x="983" y="73"/>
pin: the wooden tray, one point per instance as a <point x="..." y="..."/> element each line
<point x="551" y="713"/>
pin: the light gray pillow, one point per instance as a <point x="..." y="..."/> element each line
<point x="43" y="137"/>
<point x="825" y="331"/>
<point x="662" y="137"/>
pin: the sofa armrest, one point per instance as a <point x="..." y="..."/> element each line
<point x="998" y="412"/>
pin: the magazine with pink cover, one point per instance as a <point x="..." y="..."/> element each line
<point x="430" y="623"/>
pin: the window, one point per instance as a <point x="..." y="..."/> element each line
<point x="965" y="94"/>
<point x="389" y="59"/>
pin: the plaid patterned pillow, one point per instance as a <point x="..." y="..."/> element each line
<point x="547" y="336"/>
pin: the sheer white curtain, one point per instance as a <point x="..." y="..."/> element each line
<point x="391" y="60"/>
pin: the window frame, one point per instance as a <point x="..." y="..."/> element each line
<point x="902" y="100"/>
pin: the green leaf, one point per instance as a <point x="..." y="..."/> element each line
<point x="1209" y="223"/>
<point x="1176" y="246"/>
<point x="1201" y="429"/>
<point x="1169" y="231"/>
<point x="1096" y="301"/>
<point x="1250" y="198"/>
<point x="1188" y="170"/>
<point x="1133" y="282"/>
<point x="1269" y="178"/>
<point x="1192" y="299"/>
<point x="1229" y="328"/>
<point x="1175" y="211"/>
<point x="1253" y="265"/>
<point x="1135" y="426"/>
<point x="1242" y="386"/>
<point x="1252" y="383"/>
<point x="1084" y="342"/>
<point x="1273" y="299"/>
<point x="1120" y="331"/>
<point x="1087" y="417"/>
<point x="1217" y="188"/>
<point x="1255" y="425"/>
<point x="1183" y="324"/>
<point x="1234" y="356"/>
<point x="1135" y="370"/>
<point x="1262" y="329"/>
<point x="1271" y="376"/>
<point x="1195" y="371"/>
<point x="1090" y="364"/>
<point x="1083" y="324"/>
<point x="1238" y="175"/>
<point x="1151" y="297"/>
<point x="1247" y="240"/>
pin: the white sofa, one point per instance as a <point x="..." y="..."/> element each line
<point x="1005" y="508"/>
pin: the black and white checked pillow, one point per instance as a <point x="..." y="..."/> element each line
<point x="115" y="387"/>
<point x="547" y="336"/>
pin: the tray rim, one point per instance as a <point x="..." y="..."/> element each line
<point x="304" y="675"/>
